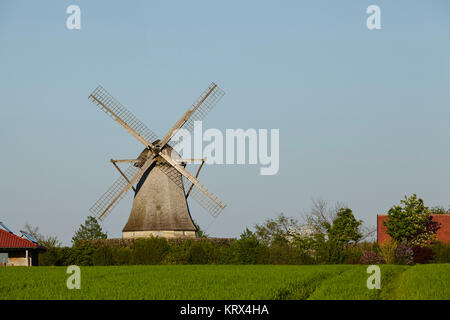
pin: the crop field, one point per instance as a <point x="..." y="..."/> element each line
<point x="227" y="282"/>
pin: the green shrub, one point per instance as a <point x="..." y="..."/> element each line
<point x="150" y="251"/>
<point x="332" y="253"/>
<point x="201" y="253"/>
<point x="352" y="254"/>
<point x="121" y="256"/>
<point x="387" y="251"/>
<point x="246" y="250"/>
<point x="54" y="257"/>
<point x="441" y="252"/>
<point x="177" y="254"/>
<point x="80" y="254"/>
<point x="103" y="256"/>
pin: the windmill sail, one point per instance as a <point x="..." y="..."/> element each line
<point x="105" y="204"/>
<point x="211" y="204"/>
<point x="202" y="106"/>
<point x="119" y="113"/>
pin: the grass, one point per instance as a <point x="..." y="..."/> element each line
<point x="227" y="282"/>
<point x="352" y="284"/>
<point x="430" y="282"/>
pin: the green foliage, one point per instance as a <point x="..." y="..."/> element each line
<point x="332" y="252"/>
<point x="199" y="231"/>
<point x="275" y="242"/>
<point x="439" y="210"/>
<point x="81" y="254"/>
<point x="150" y="250"/>
<point x="409" y="222"/>
<point x="278" y="230"/>
<point x="352" y="254"/>
<point x="121" y="256"/>
<point x="200" y="253"/>
<point x="345" y="229"/>
<point x="103" y="256"/>
<point x="388" y="250"/>
<point x="246" y="250"/>
<point x="90" y="230"/>
<point x="441" y="252"/>
<point x="178" y="254"/>
<point x="55" y="257"/>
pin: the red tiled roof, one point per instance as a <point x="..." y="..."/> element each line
<point x="9" y="240"/>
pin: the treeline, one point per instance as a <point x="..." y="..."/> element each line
<point x="326" y="236"/>
<point x="245" y="250"/>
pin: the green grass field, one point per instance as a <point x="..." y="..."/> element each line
<point x="227" y="282"/>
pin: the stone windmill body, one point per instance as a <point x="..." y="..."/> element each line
<point x="158" y="176"/>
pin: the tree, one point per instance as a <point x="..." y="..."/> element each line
<point x="411" y="222"/>
<point x="345" y="228"/>
<point x="46" y="241"/>
<point x="439" y="210"/>
<point x="279" y="230"/>
<point x="320" y="219"/>
<point x="91" y="230"/>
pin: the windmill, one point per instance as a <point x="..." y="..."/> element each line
<point x="158" y="175"/>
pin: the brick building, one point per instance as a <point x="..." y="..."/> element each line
<point x="17" y="251"/>
<point x="443" y="234"/>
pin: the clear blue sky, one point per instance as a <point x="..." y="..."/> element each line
<point x="363" y="115"/>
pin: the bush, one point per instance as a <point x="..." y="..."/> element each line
<point x="387" y="251"/>
<point x="178" y="254"/>
<point x="54" y="257"/>
<point x="333" y="252"/>
<point x="246" y="250"/>
<point x="80" y="254"/>
<point x="121" y="256"/>
<point x="283" y="254"/>
<point x="441" y="252"/>
<point x="103" y="256"/>
<point x="371" y="257"/>
<point x="404" y="254"/>
<point x="353" y="254"/>
<point x="200" y="253"/>
<point x="422" y="254"/>
<point x="150" y="251"/>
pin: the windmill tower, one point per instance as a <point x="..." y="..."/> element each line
<point x="158" y="175"/>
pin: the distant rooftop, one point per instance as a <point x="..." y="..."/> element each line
<point x="10" y="240"/>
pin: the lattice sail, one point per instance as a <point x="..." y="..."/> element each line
<point x="115" y="110"/>
<point x="214" y="208"/>
<point x="203" y="107"/>
<point x="100" y="208"/>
